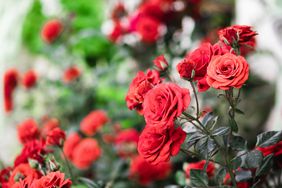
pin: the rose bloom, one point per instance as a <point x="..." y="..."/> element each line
<point x="10" y="83"/>
<point x="51" y="180"/>
<point x="70" y="143"/>
<point x="227" y="71"/>
<point x="202" y="85"/>
<point x="161" y="63"/>
<point x="29" y="79"/>
<point x="240" y="35"/>
<point x="145" y="173"/>
<point x="48" y="125"/>
<point x="164" y="103"/>
<point x="85" y="153"/>
<point x="196" y="61"/>
<point x="21" y="172"/>
<point x="126" y="142"/>
<point x="34" y="149"/>
<point x="140" y="85"/>
<point x="56" y="137"/>
<point x="199" y="166"/>
<point x="51" y="30"/>
<point x="24" y="183"/>
<point x="93" y="122"/>
<point x="71" y="74"/>
<point x="156" y="147"/>
<point x="148" y="28"/>
<point x="27" y="131"/>
<point x="220" y="48"/>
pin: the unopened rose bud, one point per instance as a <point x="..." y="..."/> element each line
<point x="161" y="63"/>
<point x="33" y="163"/>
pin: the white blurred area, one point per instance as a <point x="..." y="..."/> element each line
<point x="12" y="54"/>
<point x="266" y="17"/>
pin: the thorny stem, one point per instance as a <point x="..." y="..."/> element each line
<point x="196" y="98"/>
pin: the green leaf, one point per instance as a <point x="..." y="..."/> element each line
<point x="266" y="165"/>
<point x="253" y="159"/>
<point x="233" y="125"/>
<point x="180" y="178"/>
<point x="239" y="111"/>
<point x="198" y="178"/>
<point x="220" y="175"/>
<point x="79" y="186"/>
<point x="243" y="175"/>
<point x="221" y="131"/>
<point x="193" y="139"/>
<point x="89" y="183"/>
<point x="210" y="120"/>
<point x="205" y="147"/>
<point x="236" y="162"/>
<point x="238" y="143"/>
<point x="269" y="138"/>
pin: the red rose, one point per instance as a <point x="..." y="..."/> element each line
<point x="200" y="166"/>
<point x="32" y="150"/>
<point x="10" y="83"/>
<point x="93" y="121"/>
<point x="145" y="172"/>
<point x="55" y="137"/>
<point x="71" y="74"/>
<point x="126" y="142"/>
<point x="85" y="153"/>
<point x="276" y="150"/>
<point x="53" y="179"/>
<point x="220" y="48"/>
<point x="27" y="131"/>
<point x="164" y="103"/>
<point x="139" y="87"/>
<point x="196" y="61"/>
<point x="161" y="63"/>
<point x="241" y="36"/>
<point x="203" y="85"/>
<point x="29" y="79"/>
<point x="24" y="183"/>
<point x="156" y="147"/>
<point x="21" y="172"/>
<point x="227" y="71"/>
<point x="148" y="29"/>
<point x="49" y="125"/>
<point x="51" y="30"/>
<point x="70" y="143"/>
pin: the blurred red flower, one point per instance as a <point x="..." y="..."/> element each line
<point x="145" y="172"/>
<point x="48" y="125"/>
<point x="27" y="131"/>
<point x="71" y="74"/>
<point x="21" y="172"/>
<point x="148" y="28"/>
<point x="56" y="137"/>
<point x="93" y="122"/>
<point x="85" y="153"/>
<point x="70" y="143"/>
<point x="29" y="79"/>
<point x="10" y="82"/>
<point x="51" y="30"/>
<point x="126" y="142"/>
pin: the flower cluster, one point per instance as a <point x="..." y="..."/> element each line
<point x="35" y="166"/>
<point x="150" y="20"/>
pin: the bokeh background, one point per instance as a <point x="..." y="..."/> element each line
<point x="108" y="67"/>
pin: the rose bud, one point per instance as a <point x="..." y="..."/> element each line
<point x="10" y="83"/>
<point x="55" y="137"/>
<point x="161" y="63"/>
<point x="71" y="74"/>
<point x="29" y="79"/>
<point x="51" y="30"/>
